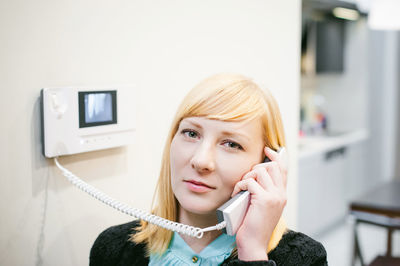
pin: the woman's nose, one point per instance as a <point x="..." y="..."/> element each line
<point x="203" y="159"/>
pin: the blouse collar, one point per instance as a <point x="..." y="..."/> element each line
<point x="180" y="252"/>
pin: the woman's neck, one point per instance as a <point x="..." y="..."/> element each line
<point x="202" y="221"/>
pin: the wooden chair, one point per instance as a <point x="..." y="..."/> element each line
<point x="380" y="207"/>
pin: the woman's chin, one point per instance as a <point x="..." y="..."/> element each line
<point x="199" y="209"/>
<point x="199" y="204"/>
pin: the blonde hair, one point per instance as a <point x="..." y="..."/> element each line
<point x="225" y="97"/>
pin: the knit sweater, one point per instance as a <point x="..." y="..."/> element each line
<point x="113" y="248"/>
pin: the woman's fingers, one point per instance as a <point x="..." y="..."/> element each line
<point x="280" y="158"/>
<point x="249" y="184"/>
<point x="271" y="154"/>
<point x="265" y="176"/>
<point x="274" y="172"/>
<point x="283" y="162"/>
<point x="261" y="175"/>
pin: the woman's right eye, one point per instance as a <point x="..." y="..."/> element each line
<point x="189" y="133"/>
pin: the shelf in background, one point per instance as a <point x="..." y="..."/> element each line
<point x="313" y="145"/>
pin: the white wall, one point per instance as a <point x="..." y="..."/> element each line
<point x="164" y="48"/>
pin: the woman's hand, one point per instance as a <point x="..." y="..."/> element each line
<point x="266" y="183"/>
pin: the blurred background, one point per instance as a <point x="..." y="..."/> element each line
<point x="333" y="67"/>
<point x="349" y="119"/>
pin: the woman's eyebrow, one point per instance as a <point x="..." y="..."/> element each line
<point x="232" y="134"/>
<point x="191" y="122"/>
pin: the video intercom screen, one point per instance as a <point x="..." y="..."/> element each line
<point x="97" y="108"/>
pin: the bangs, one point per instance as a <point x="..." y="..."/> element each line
<point x="237" y="101"/>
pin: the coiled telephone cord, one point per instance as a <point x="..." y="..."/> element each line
<point x="137" y="213"/>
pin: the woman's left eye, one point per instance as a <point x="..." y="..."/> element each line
<point x="189" y="133"/>
<point x="233" y="145"/>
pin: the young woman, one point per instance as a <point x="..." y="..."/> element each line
<point x="222" y="132"/>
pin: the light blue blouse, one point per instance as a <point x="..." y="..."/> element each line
<point x="179" y="253"/>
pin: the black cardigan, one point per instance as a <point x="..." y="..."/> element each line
<point x="113" y="248"/>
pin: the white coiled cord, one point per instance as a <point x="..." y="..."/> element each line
<point x="137" y="213"/>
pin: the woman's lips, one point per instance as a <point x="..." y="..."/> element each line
<point x="198" y="187"/>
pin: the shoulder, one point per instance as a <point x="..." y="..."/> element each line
<point x="296" y="248"/>
<point x="113" y="247"/>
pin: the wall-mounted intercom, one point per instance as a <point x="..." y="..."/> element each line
<point x="76" y="120"/>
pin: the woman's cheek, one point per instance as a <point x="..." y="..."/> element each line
<point x="232" y="175"/>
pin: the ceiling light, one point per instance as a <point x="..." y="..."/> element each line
<point x="345" y="13"/>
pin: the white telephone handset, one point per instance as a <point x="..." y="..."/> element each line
<point x="234" y="210"/>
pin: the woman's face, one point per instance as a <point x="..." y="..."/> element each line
<point x="208" y="157"/>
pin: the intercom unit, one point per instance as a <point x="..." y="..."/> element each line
<point x="76" y="120"/>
